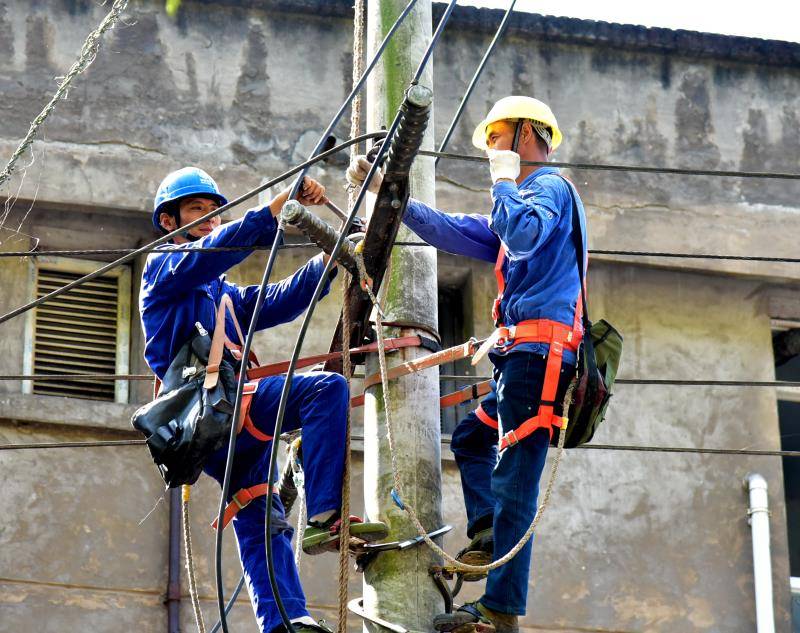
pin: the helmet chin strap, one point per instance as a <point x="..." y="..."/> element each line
<point x="515" y="142"/>
<point x="189" y="236"/>
<point x="185" y="234"/>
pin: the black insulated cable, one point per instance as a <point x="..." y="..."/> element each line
<point x="675" y="171"/>
<point x="165" y="238"/>
<point x="246" y="346"/>
<point x="226" y="249"/>
<point x="473" y="82"/>
<point x="318" y="292"/>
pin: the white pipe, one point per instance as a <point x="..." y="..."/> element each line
<point x="758" y="517"/>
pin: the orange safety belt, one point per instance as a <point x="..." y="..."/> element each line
<point x="557" y="336"/>
<point x="242" y="499"/>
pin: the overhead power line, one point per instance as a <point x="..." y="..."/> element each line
<point x="674" y="171"/>
<point x="601" y="447"/>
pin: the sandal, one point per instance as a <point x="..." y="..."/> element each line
<point x="324" y="537"/>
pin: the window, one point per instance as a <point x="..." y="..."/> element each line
<point x="84" y="331"/>
<point x="789" y="421"/>
<point x="452" y="331"/>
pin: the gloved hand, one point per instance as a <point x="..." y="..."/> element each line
<point x="503" y="164"/>
<point x="357" y="172"/>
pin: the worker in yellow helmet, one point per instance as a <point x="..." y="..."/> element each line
<point x="530" y="236"/>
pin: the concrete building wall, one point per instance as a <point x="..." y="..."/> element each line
<point x="632" y="542"/>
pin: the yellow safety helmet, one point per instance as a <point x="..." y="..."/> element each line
<point x="516" y="108"/>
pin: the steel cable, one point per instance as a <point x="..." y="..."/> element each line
<point x="445" y="440"/>
<point x="303" y="245"/>
<point x="674" y="171"/>
<point x="169" y="236"/>
<point x="468" y="93"/>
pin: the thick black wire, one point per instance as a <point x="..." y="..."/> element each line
<point x="199" y="249"/>
<point x="445" y="440"/>
<point x="165" y="238"/>
<point x="246" y="353"/>
<point x="287" y="385"/>
<point x="230" y="604"/>
<point x="676" y="171"/>
<point x="225" y="249"/>
<point x="498" y="34"/>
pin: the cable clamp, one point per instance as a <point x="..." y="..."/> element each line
<point x="397" y="500"/>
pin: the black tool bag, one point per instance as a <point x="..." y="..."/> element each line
<point x="187" y="422"/>
<point x="598" y="360"/>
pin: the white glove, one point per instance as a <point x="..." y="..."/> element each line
<point x="503" y="164"/>
<point x="357" y="172"/>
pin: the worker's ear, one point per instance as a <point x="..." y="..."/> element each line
<point x="527" y="133"/>
<point x="167" y="222"/>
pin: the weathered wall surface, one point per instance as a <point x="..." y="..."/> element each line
<point x="632" y="542"/>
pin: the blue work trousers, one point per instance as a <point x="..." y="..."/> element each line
<point x="317" y="404"/>
<point x="503" y="493"/>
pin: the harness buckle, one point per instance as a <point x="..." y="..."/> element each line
<point x="506" y="335"/>
<point x="241" y="504"/>
<point x="511" y="436"/>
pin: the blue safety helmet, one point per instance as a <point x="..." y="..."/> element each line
<point x="184" y="183"/>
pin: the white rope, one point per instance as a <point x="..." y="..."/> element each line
<point x="344" y="529"/>
<point x="86" y="57"/>
<point x="302" y="515"/>
<point x="187" y="543"/>
<point x="398" y="486"/>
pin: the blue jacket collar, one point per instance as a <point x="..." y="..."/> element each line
<point x="542" y="171"/>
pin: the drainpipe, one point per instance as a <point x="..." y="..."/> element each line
<point x="758" y="517"/>
<point x="173" y="599"/>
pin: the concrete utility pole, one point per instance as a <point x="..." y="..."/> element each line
<point x="396" y="585"/>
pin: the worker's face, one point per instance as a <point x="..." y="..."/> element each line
<point x="190" y="210"/>
<point x="500" y="135"/>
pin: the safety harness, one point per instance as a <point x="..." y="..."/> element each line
<point x="256" y="372"/>
<point x="557" y="336"/>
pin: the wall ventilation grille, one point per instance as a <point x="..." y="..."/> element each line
<point x="76" y="333"/>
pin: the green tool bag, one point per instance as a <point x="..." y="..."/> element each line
<point x="598" y="361"/>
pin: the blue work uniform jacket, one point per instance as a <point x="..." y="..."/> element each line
<point x="181" y="287"/>
<point x="534" y="224"/>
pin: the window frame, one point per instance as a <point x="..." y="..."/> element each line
<point x="123" y="342"/>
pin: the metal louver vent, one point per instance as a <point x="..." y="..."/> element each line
<point x="76" y="333"/>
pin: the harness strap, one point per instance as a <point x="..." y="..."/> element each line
<point x="545" y="417"/>
<point x="241" y="500"/>
<point x="471" y="392"/>
<point x="484" y="417"/>
<point x="425" y="362"/>
<point x="245" y="421"/>
<point x="278" y="368"/>
<point x="501" y="284"/>
<point x="219" y="340"/>
<point x="534" y="331"/>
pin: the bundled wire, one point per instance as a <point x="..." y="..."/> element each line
<point x="318" y="293"/>
<point x="260" y="297"/>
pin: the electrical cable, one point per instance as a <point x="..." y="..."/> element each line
<point x="230" y="604"/>
<point x="247" y="344"/>
<point x="165" y="238"/>
<point x="675" y="171"/>
<point x="318" y="292"/>
<point x="302" y="245"/>
<point x="445" y="440"/>
<point x="498" y="34"/>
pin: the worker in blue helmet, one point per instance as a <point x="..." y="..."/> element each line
<point x="182" y="286"/>
<point x="182" y="184"/>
